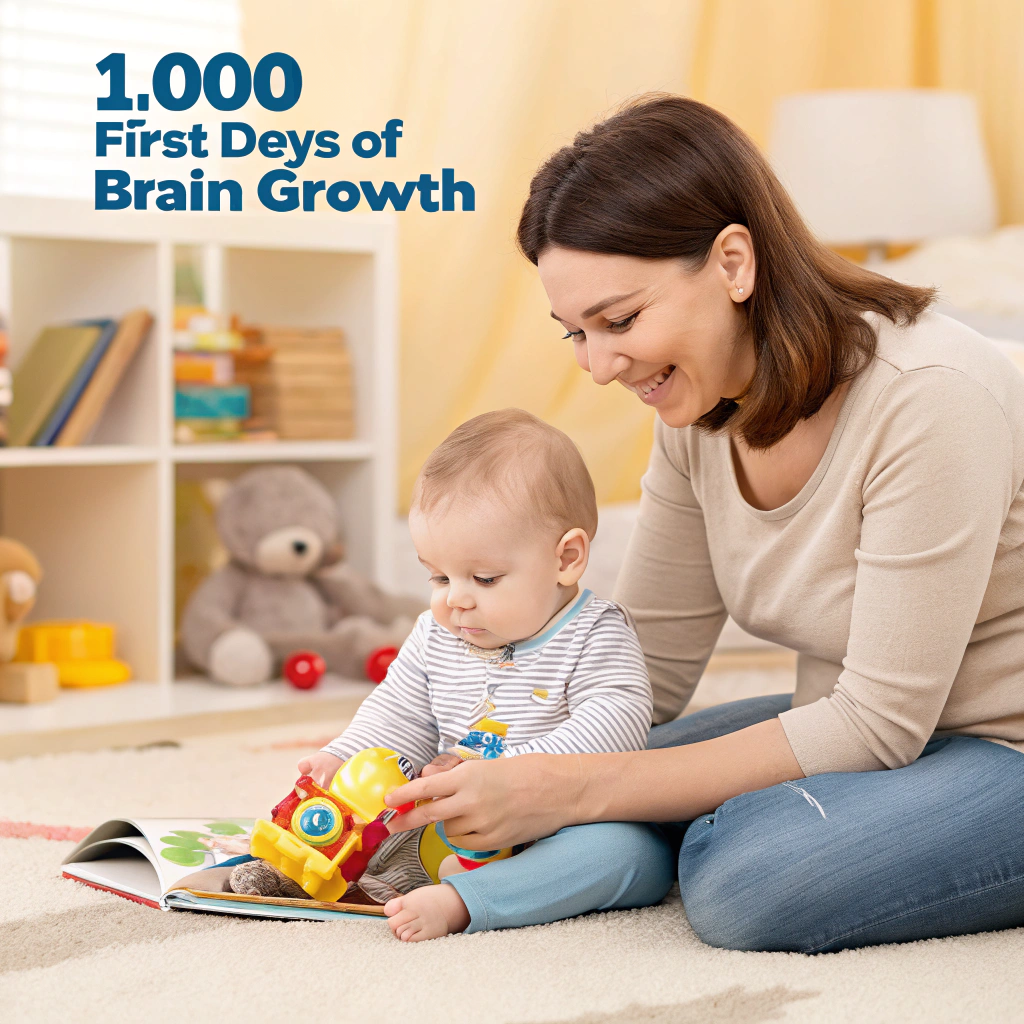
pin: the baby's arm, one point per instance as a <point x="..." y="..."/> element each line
<point x="397" y="714"/>
<point x="609" y="695"/>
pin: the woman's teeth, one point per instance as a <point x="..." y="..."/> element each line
<point x="645" y="387"/>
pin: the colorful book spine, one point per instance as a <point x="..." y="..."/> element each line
<point x="203" y="368"/>
<point x="73" y="392"/>
<point x="211" y="403"/>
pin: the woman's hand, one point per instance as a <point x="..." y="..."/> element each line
<point x="489" y="805"/>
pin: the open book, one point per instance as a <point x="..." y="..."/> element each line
<point x="176" y="864"/>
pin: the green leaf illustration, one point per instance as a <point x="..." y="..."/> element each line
<point x="226" y="828"/>
<point x="186" y="858"/>
<point x="183" y="843"/>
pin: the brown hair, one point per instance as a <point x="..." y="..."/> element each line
<point x="660" y="179"/>
<point x="518" y="455"/>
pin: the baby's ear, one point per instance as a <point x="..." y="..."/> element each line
<point x="573" y="554"/>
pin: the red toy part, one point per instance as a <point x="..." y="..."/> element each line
<point x="378" y="662"/>
<point x="303" y="669"/>
<point x="371" y="835"/>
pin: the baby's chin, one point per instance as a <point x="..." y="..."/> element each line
<point x="482" y="638"/>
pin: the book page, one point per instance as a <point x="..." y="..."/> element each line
<point x="182" y="846"/>
<point x="175" y="847"/>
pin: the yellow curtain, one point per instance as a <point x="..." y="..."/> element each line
<point x="491" y="89"/>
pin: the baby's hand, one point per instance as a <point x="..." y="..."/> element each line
<point x="441" y="763"/>
<point x="322" y="766"/>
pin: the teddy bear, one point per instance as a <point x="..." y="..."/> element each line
<point x="285" y="587"/>
<point x="19" y="575"/>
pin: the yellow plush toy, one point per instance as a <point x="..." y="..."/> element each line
<point x="20" y="574"/>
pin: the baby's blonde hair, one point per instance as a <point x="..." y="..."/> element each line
<point x="519" y="456"/>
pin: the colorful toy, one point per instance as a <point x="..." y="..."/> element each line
<point x="82" y="651"/>
<point x="303" y="669"/>
<point x="323" y="839"/>
<point x="378" y="663"/>
<point x="484" y="742"/>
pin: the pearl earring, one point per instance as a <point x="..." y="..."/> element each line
<point x="740" y="290"/>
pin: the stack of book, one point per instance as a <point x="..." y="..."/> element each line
<point x="208" y="404"/>
<point x="300" y="381"/>
<point x="64" y="381"/>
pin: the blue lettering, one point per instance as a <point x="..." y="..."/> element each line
<point x="104" y="137"/>
<point x="111" y="190"/>
<point x="328" y="144"/>
<point x="388" y="194"/>
<point x="289" y="195"/>
<point x="449" y="186"/>
<point x="227" y="133"/>
<point x="352" y="195"/>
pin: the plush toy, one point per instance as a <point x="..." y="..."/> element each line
<point x="285" y="587"/>
<point x="19" y="576"/>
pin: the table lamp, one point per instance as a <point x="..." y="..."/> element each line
<point x="880" y="167"/>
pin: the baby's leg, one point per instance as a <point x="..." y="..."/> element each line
<point x="604" y="866"/>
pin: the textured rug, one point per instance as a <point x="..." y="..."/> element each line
<point x="70" y="953"/>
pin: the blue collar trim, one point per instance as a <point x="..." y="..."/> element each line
<point x="570" y="613"/>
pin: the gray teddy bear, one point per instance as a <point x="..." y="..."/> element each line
<point x="285" y="588"/>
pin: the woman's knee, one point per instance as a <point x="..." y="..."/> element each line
<point x="721" y="919"/>
<point x="748" y="895"/>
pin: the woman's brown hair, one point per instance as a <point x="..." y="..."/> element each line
<point x="660" y="179"/>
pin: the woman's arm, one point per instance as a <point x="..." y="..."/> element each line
<point x="494" y="804"/>
<point x="667" y="580"/>
<point x="938" y="484"/>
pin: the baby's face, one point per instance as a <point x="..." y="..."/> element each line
<point x="497" y="578"/>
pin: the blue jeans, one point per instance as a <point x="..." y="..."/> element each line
<point x="850" y="859"/>
<point x="827" y="863"/>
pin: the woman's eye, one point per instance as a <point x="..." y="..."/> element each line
<point x="618" y="326"/>
<point x="572" y="334"/>
<point x="486" y="581"/>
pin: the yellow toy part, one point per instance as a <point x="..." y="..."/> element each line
<point x="433" y="850"/>
<point x="82" y="651"/>
<point x="318" y="875"/>
<point x="366" y="778"/>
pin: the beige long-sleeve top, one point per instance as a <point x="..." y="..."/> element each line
<point x="897" y="572"/>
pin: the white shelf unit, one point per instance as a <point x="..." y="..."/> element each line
<point x="100" y="517"/>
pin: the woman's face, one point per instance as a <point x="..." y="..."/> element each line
<point x="676" y="338"/>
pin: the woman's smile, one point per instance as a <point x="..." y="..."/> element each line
<point x="652" y="390"/>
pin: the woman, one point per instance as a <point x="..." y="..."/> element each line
<point x="840" y="469"/>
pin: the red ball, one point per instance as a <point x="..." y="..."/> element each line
<point x="303" y="669"/>
<point x="378" y="662"/>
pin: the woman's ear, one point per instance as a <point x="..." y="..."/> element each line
<point x="573" y="553"/>
<point x="733" y="251"/>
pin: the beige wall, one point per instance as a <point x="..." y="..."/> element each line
<point x="491" y="88"/>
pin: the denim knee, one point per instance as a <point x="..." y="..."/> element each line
<point x="736" y="901"/>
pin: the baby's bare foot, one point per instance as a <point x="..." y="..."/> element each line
<point x="427" y="913"/>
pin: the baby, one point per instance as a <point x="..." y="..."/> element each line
<point x="502" y="518"/>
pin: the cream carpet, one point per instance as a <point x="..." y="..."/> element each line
<point x="71" y="954"/>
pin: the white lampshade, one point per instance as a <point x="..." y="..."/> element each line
<point x="879" y="166"/>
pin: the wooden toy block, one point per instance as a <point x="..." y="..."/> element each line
<point x="28" y="682"/>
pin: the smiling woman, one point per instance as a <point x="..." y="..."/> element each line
<point x="667" y="246"/>
<point x="841" y="470"/>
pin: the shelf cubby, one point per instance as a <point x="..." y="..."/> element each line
<point x="100" y="517"/>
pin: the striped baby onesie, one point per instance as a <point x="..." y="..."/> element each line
<point x="579" y="687"/>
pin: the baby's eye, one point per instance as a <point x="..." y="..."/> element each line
<point x="441" y="581"/>
<point x="487" y="581"/>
